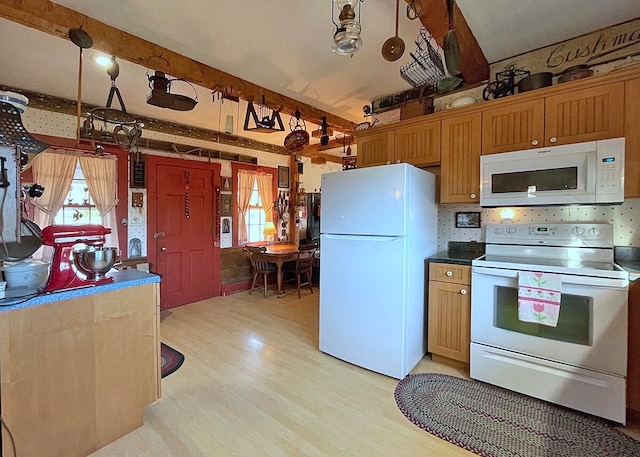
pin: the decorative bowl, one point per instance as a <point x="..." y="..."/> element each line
<point x="296" y="140"/>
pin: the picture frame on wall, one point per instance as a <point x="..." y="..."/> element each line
<point x="226" y="183"/>
<point x="283" y="177"/>
<point x="225" y="205"/>
<point x="467" y="220"/>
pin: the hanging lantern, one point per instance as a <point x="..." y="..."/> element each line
<point x="346" y="39"/>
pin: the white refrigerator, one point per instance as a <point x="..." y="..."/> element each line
<point x="377" y="225"/>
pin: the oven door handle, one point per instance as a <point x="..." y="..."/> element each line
<point x="566" y="279"/>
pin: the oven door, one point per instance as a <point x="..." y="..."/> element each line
<point x="592" y="328"/>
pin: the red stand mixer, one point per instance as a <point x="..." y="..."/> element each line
<point x="79" y="258"/>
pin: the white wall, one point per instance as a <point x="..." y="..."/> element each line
<point x="312" y="174"/>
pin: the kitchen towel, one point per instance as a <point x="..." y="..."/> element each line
<point x="539" y="297"/>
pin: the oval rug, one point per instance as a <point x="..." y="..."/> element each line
<point x="170" y="360"/>
<point x="495" y="422"/>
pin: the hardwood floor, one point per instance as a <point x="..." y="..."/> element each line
<point x="255" y="384"/>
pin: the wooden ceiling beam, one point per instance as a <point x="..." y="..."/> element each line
<point x="56" y="20"/>
<point x="473" y="64"/>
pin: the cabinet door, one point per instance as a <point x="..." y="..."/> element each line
<point x="376" y="149"/>
<point x="460" y="161"/>
<point x="590" y="114"/>
<point x="449" y="326"/>
<point x="512" y="128"/>
<point x="418" y="144"/>
<point x="632" y="141"/>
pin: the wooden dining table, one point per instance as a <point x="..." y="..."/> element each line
<point x="279" y="254"/>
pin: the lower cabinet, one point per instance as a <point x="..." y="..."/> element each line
<point x="76" y="374"/>
<point x="449" y="324"/>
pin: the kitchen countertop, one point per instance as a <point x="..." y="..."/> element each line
<point x="628" y="257"/>
<point x="121" y="279"/>
<point x="459" y="253"/>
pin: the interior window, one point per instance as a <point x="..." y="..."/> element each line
<point x="255" y="216"/>
<point x="78" y="207"/>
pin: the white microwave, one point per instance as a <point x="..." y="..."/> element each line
<point x="590" y="173"/>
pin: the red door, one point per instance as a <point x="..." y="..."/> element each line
<point x="184" y="234"/>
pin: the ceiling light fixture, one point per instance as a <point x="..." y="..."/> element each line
<point x="346" y="39"/>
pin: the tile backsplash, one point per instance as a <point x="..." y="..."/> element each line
<point x="625" y="219"/>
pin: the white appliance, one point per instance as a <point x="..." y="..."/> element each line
<point x="582" y="362"/>
<point x="377" y="225"/>
<point x="581" y="173"/>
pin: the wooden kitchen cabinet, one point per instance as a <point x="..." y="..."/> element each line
<point x="632" y="140"/>
<point x="449" y="322"/>
<point x="417" y="144"/>
<point x="513" y="127"/>
<point x="589" y="114"/>
<point x="571" y="117"/>
<point x="77" y="373"/>
<point x="460" y="159"/>
<point x="376" y="149"/>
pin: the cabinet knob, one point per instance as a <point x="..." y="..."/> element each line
<point x="398" y="161"/>
<point x="388" y="162"/>
<point x="553" y="140"/>
<point x="463" y="291"/>
<point x="534" y="143"/>
<point x="472" y="195"/>
<point x="449" y="273"/>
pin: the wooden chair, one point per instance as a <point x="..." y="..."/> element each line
<point x="260" y="266"/>
<point x="303" y="265"/>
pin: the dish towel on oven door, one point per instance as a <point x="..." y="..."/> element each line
<point x="539" y="296"/>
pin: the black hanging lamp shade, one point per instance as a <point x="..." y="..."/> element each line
<point x="13" y="132"/>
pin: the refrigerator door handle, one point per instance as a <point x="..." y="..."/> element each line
<point x="362" y="237"/>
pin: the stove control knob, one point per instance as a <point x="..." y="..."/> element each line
<point x="498" y="230"/>
<point x="511" y="230"/>
<point x="594" y="231"/>
<point x="578" y="230"/>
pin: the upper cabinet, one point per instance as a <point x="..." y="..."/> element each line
<point x="632" y="139"/>
<point x="585" y="115"/>
<point x="375" y="149"/>
<point x="460" y="164"/>
<point x="571" y="117"/>
<point x="513" y="127"/>
<point x="417" y="144"/>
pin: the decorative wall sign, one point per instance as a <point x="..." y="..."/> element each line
<point x="226" y="184"/>
<point x="283" y="177"/>
<point x="599" y="47"/>
<point x="138" y="173"/>
<point x="468" y="220"/>
<point x="225" y="205"/>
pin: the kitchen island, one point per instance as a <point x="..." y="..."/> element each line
<point x="78" y="367"/>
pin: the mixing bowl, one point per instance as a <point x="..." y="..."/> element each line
<point x="95" y="261"/>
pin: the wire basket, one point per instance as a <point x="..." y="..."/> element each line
<point x="426" y="65"/>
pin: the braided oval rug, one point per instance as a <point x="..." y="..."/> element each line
<point x="495" y="422"/>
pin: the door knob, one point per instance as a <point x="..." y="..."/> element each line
<point x="163" y="248"/>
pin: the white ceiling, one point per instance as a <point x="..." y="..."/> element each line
<point x="284" y="46"/>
